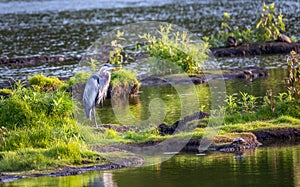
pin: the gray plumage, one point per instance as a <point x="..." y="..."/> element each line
<point x="95" y="90"/>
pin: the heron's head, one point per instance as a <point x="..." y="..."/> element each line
<point x="107" y="67"/>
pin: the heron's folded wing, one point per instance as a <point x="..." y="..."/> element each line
<point x="90" y="93"/>
<point x="103" y="83"/>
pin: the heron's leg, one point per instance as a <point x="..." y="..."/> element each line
<point x="95" y="120"/>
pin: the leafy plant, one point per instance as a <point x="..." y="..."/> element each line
<point x="174" y="52"/>
<point x="293" y="79"/>
<point x="123" y="76"/>
<point x="248" y="102"/>
<point x="270" y="23"/>
<point x="39" y="81"/>
<point x="231" y="104"/>
<point x="116" y="56"/>
<point x="268" y="27"/>
<point x="94" y="64"/>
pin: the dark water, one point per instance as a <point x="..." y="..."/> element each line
<point x="267" y="166"/>
<point x="31" y="27"/>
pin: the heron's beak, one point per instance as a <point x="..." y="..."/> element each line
<point x="116" y="67"/>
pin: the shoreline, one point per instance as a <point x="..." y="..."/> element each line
<point x="258" y="48"/>
<point x="221" y="143"/>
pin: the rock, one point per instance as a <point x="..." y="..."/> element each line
<point x="170" y="129"/>
<point x="165" y="129"/>
<point x="231" y="42"/>
<point x="284" y="38"/>
<point x="238" y="141"/>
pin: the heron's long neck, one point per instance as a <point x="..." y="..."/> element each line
<point x="105" y="73"/>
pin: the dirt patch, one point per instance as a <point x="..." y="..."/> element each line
<point x="289" y="134"/>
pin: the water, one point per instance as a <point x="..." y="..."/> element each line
<point x="266" y="166"/>
<point x="172" y="100"/>
<point x="69" y="27"/>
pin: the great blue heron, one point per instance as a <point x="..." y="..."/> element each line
<point x="96" y="89"/>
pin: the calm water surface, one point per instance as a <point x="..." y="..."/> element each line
<point x="266" y="166"/>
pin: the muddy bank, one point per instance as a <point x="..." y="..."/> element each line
<point x="67" y="171"/>
<point x="259" y="48"/>
<point x="283" y="134"/>
<point x="18" y="62"/>
<point x="222" y="143"/>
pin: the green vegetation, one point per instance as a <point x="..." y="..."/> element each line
<point x="174" y="52"/>
<point x="45" y="83"/>
<point x="270" y="24"/>
<point x="293" y="79"/>
<point x="268" y="27"/>
<point x="38" y="129"/>
<point x="123" y="76"/>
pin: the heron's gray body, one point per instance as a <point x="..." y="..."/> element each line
<point x="96" y="91"/>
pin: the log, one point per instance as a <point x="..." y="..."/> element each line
<point x="259" y="48"/>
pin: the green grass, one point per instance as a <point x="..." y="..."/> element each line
<point x="5" y="91"/>
<point x="38" y="130"/>
<point x="124" y="77"/>
<point x="40" y="81"/>
<point x="62" y="154"/>
<point x="277" y="123"/>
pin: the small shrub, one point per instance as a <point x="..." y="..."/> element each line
<point x="45" y="83"/>
<point x="122" y="76"/>
<point x="270" y="23"/>
<point x="174" y="52"/>
<point x="268" y="27"/>
<point x="293" y="79"/>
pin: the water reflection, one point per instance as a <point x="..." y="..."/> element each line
<point x="274" y="166"/>
<point x="108" y="180"/>
<point x="139" y="105"/>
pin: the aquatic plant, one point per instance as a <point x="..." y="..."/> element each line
<point x="174" y="52"/>
<point x="231" y="104"/>
<point x="293" y="79"/>
<point x="117" y="55"/>
<point x="227" y="30"/>
<point x="268" y="27"/>
<point x="248" y="102"/>
<point x="269" y="24"/>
